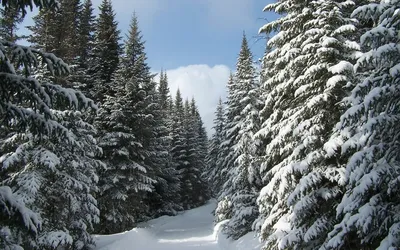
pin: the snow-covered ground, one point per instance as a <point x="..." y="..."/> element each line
<point x="192" y="229"/>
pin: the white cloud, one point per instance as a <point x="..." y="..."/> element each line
<point x="206" y="84"/>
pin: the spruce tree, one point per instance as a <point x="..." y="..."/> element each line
<point x="178" y="144"/>
<point x="31" y="125"/>
<point x="57" y="30"/>
<point x="10" y="18"/>
<point x="213" y="171"/>
<point x="238" y="163"/>
<point x="86" y="31"/>
<point x="308" y="66"/>
<point x="163" y="200"/>
<point x="367" y="137"/>
<point x="106" y="52"/>
<point x="197" y="145"/>
<point x="127" y="123"/>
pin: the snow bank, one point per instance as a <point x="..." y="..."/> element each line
<point x="247" y="242"/>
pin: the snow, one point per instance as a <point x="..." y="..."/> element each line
<point x="193" y="229"/>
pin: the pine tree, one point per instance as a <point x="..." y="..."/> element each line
<point x="308" y="65"/>
<point x="80" y="76"/>
<point x="197" y="143"/>
<point x="106" y="51"/>
<point x="43" y="32"/>
<point x="367" y="137"/>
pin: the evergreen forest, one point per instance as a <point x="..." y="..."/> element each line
<point x="304" y="150"/>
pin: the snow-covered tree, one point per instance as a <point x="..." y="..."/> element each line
<point x="178" y="144"/>
<point x="39" y="144"/>
<point x="367" y="137"/>
<point x="127" y="125"/>
<point x="163" y="200"/>
<point x="307" y="68"/>
<point x="55" y="176"/>
<point x="57" y="30"/>
<point x="213" y="170"/>
<point x="241" y="187"/>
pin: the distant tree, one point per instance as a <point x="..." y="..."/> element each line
<point x="178" y="144"/>
<point x="10" y="18"/>
<point x="163" y="200"/>
<point x="106" y="52"/>
<point x="213" y="170"/>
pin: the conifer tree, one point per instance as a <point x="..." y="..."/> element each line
<point x="128" y="133"/>
<point x="31" y="113"/>
<point x="308" y="66"/>
<point x="86" y="32"/>
<point x="57" y="30"/>
<point x="178" y="146"/>
<point x="213" y="171"/>
<point x="367" y="137"/>
<point x="10" y="18"/>
<point x="106" y="51"/>
<point x="163" y="200"/>
<point x="241" y="185"/>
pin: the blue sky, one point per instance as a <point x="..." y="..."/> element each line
<point x="186" y="32"/>
<point x="196" y="41"/>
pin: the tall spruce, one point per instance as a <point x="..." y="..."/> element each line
<point x="10" y="18"/>
<point x="368" y="138"/>
<point x="238" y="188"/>
<point x="57" y="30"/>
<point x="178" y="144"/>
<point x="213" y="171"/>
<point x="308" y="66"/>
<point x="33" y="164"/>
<point x="164" y="200"/>
<point x="128" y="131"/>
<point x="106" y="51"/>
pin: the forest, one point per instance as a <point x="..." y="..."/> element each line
<point x="304" y="152"/>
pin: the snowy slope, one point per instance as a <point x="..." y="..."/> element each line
<point x="192" y="229"/>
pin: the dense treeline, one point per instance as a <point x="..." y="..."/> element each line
<point x="306" y="153"/>
<point x="93" y="147"/>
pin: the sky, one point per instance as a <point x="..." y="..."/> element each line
<point x="196" y="41"/>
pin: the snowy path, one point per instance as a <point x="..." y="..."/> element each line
<point x="192" y="229"/>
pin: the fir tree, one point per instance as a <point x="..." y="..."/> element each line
<point x="86" y="33"/>
<point x="163" y="200"/>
